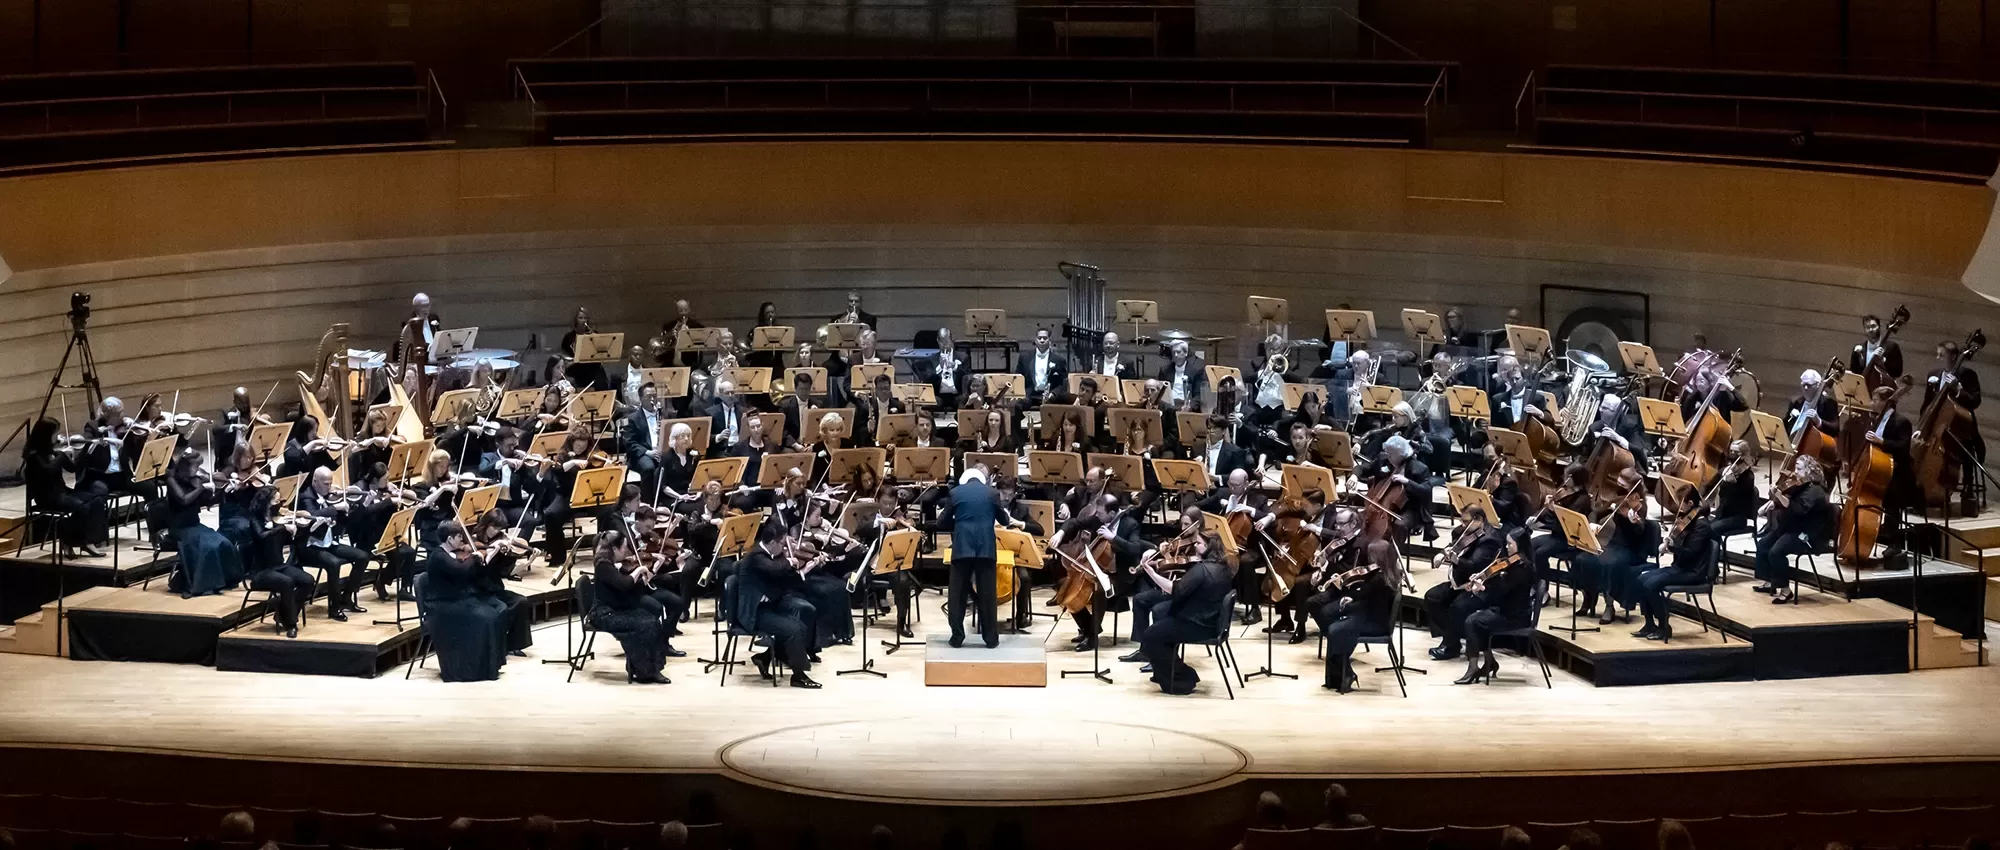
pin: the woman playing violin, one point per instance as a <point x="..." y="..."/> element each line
<point x="558" y="481"/>
<point x="209" y="562"/>
<point x="1506" y="595"/>
<point x="1361" y="601"/>
<point x="372" y="445"/>
<point x="622" y="609"/>
<point x="88" y="520"/>
<point x="502" y="548"/>
<point x="468" y="629"/>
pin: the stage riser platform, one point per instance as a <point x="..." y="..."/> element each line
<point x="1734" y="664"/>
<point x="114" y="636"/>
<point x="308" y="657"/>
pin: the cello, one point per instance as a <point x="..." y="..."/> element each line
<point x="1083" y="564"/>
<point x="1867" y="490"/>
<point x="1296" y="548"/>
<point x="1942" y="421"/>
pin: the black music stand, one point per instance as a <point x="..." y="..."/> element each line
<point x="1097" y="669"/>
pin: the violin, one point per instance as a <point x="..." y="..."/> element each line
<point x="1341" y="581"/>
<point x="1477" y="584"/>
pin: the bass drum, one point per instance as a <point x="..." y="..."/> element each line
<point x="1748" y="387"/>
<point x="1595" y="330"/>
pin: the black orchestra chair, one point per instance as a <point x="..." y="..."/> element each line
<point x="1218" y="646"/>
<point x="423" y="634"/>
<point x="730" y="636"/>
<point x="1531" y="634"/>
<point x="1389" y="644"/>
<point x="1695" y="591"/>
<point x="1811" y="557"/>
<point x="586" y="600"/>
<point x="50" y="521"/>
<point x="271" y="600"/>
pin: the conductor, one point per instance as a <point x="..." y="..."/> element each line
<point x="972" y="508"/>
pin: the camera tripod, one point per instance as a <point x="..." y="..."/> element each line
<point x="78" y="347"/>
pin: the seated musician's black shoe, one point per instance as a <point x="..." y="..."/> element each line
<point x="846" y="641"/>
<point x="1133" y="656"/>
<point x="381" y="593"/>
<point x="763" y="662"/>
<point x="1763" y="587"/>
<point x="1253" y="618"/>
<point x="1050" y="604"/>
<point x="812" y="658"/>
<point x="337" y="614"/>
<point x="1444" y="653"/>
<point x="292" y="632"/>
<point x="1284" y="624"/>
<point x="675" y="653"/>
<point x="1647" y="633"/>
<point x="1147" y="668"/>
<point x="992" y="644"/>
<point x="1663" y="634"/>
<point x="905" y="632"/>
<point x="1783" y="596"/>
<point x="353" y="605"/>
<point x="801" y="680"/>
<point x="89" y="552"/>
<point x="1298" y="637"/>
<point x="1089" y="645"/>
<point x="515" y="653"/>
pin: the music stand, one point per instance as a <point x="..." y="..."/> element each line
<point x="1661" y="418"/>
<point x="599" y="348"/>
<point x="699" y="428"/>
<point x="1336" y="447"/>
<point x="844" y="336"/>
<point x="1576" y="529"/>
<point x="914" y="394"/>
<point x="267" y="442"/>
<point x="1766" y="432"/>
<point x="818" y="373"/>
<point x="450" y="344"/>
<point x="515" y="404"/>
<point x="1015" y="384"/>
<point x="1106" y="384"/>
<point x="1423" y="326"/>
<point x="1120" y="421"/>
<point x="1132" y="390"/>
<point x="728" y="471"/>
<point x="596" y="488"/>
<point x="1468" y="403"/>
<point x="1531" y="344"/>
<point x="1128" y="469"/>
<point x="288" y="489"/>
<point x="1295" y="394"/>
<point x="1026" y="549"/>
<point x="733" y="539"/>
<point x="1350" y="326"/>
<point x="861" y="375"/>
<point x="698" y="339"/>
<point x="593" y="406"/>
<point x="922" y="466"/>
<point x="1188" y="475"/>
<point x="841" y="464"/>
<point x="1673" y="493"/>
<point x="749" y="380"/>
<point x="155" y="457"/>
<point x="1261" y="310"/>
<point x="1217" y="373"/>
<point x="896" y="552"/>
<point x="1512" y="446"/>
<point x="1218" y="525"/>
<point x="772" y="471"/>
<point x="1381" y="398"/>
<point x="1193" y="428"/>
<point x="407" y="460"/>
<point x="809" y="422"/>
<point x="1004" y="465"/>
<point x="474" y="503"/>
<point x="771" y="338"/>
<point x="774" y="425"/>
<point x="985" y="323"/>
<point x="671" y="381"/>
<point x="1055" y="467"/>
<point x="1463" y="497"/>
<point x="547" y="443"/>
<point x="895" y="429"/>
<point x="1298" y="478"/>
<point x="972" y="424"/>
<point x="1640" y="360"/>
<point x="1053" y="415"/>
<point x="451" y="404"/>
<point x="392" y="534"/>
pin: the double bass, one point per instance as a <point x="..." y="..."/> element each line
<point x="1943" y="420"/>
<point x="1867" y="490"/>
<point x="1705" y="447"/>
<point x="1874" y="372"/>
<point x="1807" y="437"/>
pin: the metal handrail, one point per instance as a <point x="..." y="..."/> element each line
<point x="444" y="105"/>
<point x="1527" y="88"/>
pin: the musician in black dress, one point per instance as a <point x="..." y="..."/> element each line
<point x="1799" y="520"/>
<point x="1692" y="549"/>
<point x="467" y="629"/>
<point x="1506" y="602"/>
<point x="1633" y="540"/>
<point x="209" y="563"/>
<point x="558" y="482"/>
<point x="326" y="545"/>
<point x="586" y="377"/>
<point x="502" y="555"/>
<point x="1473" y="546"/>
<point x="622" y="609"/>
<point x="1736" y="498"/>
<point x="1362" y="605"/>
<point x="88" y="521"/>
<point x="305" y="451"/>
<point x="1191" y="612"/>
<point x="1551" y="543"/>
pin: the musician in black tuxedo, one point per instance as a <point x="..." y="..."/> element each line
<point x="870" y="406"/>
<point x="1825" y="410"/>
<point x="947" y="371"/>
<point x="1046" y="369"/>
<point x="768" y="601"/>
<point x="1893" y="433"/>
<point x="1965" y="443"/>
<point x="423" y="320"/>
<point x="328" y="544"/>
<point x="1185" y="379"/>
<point x="1874" y="348"/>
<point x="639" y="431"/>
<point x="1473" y="545"/>
<point x="729" y="419"/>
<point x="854" y="313"/>
<point x="1220" y="456"/>
<point x="1111" y="362"/>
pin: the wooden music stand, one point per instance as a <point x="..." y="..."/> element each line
<point x="1350" y="326"/>
<point x="1849" y="390"/>
<point x="749" y="380"/>
<point x="898" y="551"/>
<point x="818" y="373"/>
<point x="547" y="443"/>
<point x="1053" y="414"/>
<point x="1121" y="419"/>
<point x="1055" y="467"/>
<point x="1764" y="431"/>
<point x="1576" y="528"/>
<point x="771" y="338"/>
<point x="844" y="336"/>
<point x="1295" y="394"/>
<point x="515" y="404"/>
<point x="600" y="348"/>
<point x="1336" y="447"/>
<point x="773" y="470"/>
<point x="1468" y="403"/>
<point x="1193" y="429"/>
<point x="267" y="442"/>
<point x="774" y="426"/>
<point x="288" y="489"/>
<point x="1640" y="360"/>
<point x="923" y="465"/>
<point x="1128" y="469"/>
<point x="972" y="424"/>
<point x="915" y="394"/>
<point x="474" y="503"/>
<point x="1463" y="497"/>
<point x="1132" y="311"/>
<point x="700" y="426"/>
<point x="1217" y="373"/>
<point x="1043" y="512"/>
<point x="1260" y="310"/>
<point x="1512" y="446"/>
<point x="1016" y="385"/>
<point x="841" y="465"/>
<point x="1026" y="550"/>
<point x="596" y="488"/>
<point x="672" y="381"/>
<point x="1004" y="465"/>
<point x="809" y="422"/>
<point x="449" y="344"/>
<point x="393" y="533"/>
<point x="1423" y="326"/>
<point x="155" y="457"/>
<point x="1531" y="344"/>
<point x="1674" y="493"/>
<point x="407" y="460"/>
<point x="1661" y="418"/>
<point x="451" y="405"/>
<point x="1218" y="525"/>
<point x="726" y="470"/>
<point x="698" y="339"/>
<point x="862" y="375"/>
<point x="1381" y="398"/>
<point x="1181" y="475"/>
<point x="593" y="406"/>
<point x="1132" y="390"/>
<point x="1106" y="384"/>
<point x="737" y="534"/>
<point x="985" y="323"/>
<point x="895" y="429"/>
<point x="1298" y="478"/>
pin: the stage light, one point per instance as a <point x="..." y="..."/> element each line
<point x="1982" y="275"/>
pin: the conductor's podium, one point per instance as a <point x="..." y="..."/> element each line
<point x="1020" y="661"/>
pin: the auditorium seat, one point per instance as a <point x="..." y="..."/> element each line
<point x="1952" y="825"/>
<point x="75" y="812"/>
<point x="1815" y="829"/>
<point x="586" y="100"/>
<point x="419" y="833"/>
<point x="24" y="811"/>
<point x="1760" y="831"/>
<point x="344" y="827"/>
<point x="642" y="835"/>
<point x="495" y="833"/>
<point x="1641" y="834"/>
<point x="50" y="120"/>
<point x="1472" y="837"/>
<point x="1403" y="838"/>
<point x="130" y="841"/>
<point x="1278" y="839"/>
<point x="1346" y="837"/>
<point x="1551" y="835"/>
<point x="275" y="823"/>
<point x="145" y="817"/>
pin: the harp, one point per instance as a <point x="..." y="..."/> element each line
<point x="328" y="379"/>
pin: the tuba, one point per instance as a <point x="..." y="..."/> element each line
<point x="1586" y="390"/>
